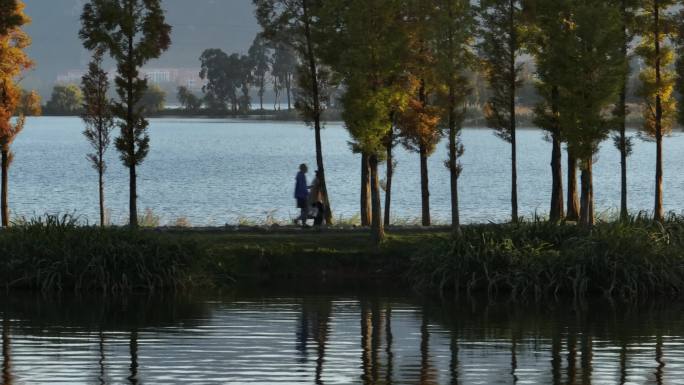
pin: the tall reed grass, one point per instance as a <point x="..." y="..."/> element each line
<point x="632" y="259"/>
<point x="54" y="253"/>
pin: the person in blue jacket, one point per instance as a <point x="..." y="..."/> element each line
<point x="302" y="194"/>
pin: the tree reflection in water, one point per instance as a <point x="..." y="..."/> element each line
<point x="6" y="352"/>
<point x="400" y="342"/>
<point x="314" y="325"/>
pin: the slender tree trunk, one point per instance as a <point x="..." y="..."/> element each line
<point x="365" y="191"/>
<point x="289" y="93"/>
<point x="315" y="96"/>
<point x="658" y="210"/>
<point x="424" y="186"/>
<point x="512" y="80"/>
<point x="133" y="190"/>
<point x="624" y="211"/>
<point x="587" y="209"/>
<point x="101" y="188"/>
<point x="573" y="212"/>
<point x="622" y="113"/>
<point x="376" y="224"/>
<point x="390" y="174"/>
<point x="424" y="177"/>
<point x="556" y="212"/>
<point x="276" y="99"/>
<point x="453" y="163"/>
<point x="5" y="187"/>
<point x="133" y="197"/>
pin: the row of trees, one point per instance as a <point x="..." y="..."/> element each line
<point x="68" y="99"/>
<point x="230" y="78"/>
<point x="405" y="64"/>
<point x="132" y="32"/>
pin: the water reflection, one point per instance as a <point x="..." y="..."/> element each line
<point x="6" y="355"/>
<point x="357" y="339"/>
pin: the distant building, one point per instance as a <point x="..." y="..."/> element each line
<point x="188" y="77"/>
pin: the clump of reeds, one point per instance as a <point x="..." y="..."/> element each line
<point x="53" y="253"/>
<point x="628" y="259"/>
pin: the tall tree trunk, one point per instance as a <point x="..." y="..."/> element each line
<point x="365" y="192"/>
<point x="101" y="189"/>
<point x="658" y="210"/>
<point x="624" y="211"/>
<point x="424" y="177"/>
<point x="5" y="186"/>
<point x="315" y="96"/>
<point x="133" y="197"/>
<point x="289" y="92"/>
<point x="622" y="114"/>
<point x="376" y="223"/>
<point x="390" y="174"/>
<point x="133" y="190"/>
<point x="512" y="84"/>
<point x="587" y="209"/>
<point x="453" y="162"/>
<point x="276" y="99"/>
<point x="556" y="212"/>
<point x="573" y="212"/>
<point x="424" y="186"/>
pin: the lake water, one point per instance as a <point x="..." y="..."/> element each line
<point x="214" y="172"/>
<point x="338" y="338"/>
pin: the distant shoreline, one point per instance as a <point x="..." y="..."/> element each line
<point x="525" y="121"/>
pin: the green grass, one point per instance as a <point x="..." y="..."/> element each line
<point x="274" y="256"/>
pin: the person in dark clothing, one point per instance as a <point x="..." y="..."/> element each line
<point x="302" y="194"/>
<point x="316" y="207"/>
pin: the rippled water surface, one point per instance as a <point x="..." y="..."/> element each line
<point x="344" y="339"/>
<point x="218" y="171"/>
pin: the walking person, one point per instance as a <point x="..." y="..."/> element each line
<point x="316" y="207"/>
<point x="302" y="195"/>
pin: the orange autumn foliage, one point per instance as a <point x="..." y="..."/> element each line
<point x="419" y="124"/>
<point x="13" y="62"/>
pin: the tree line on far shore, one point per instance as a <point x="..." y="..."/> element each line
<point x="401" y="72"/>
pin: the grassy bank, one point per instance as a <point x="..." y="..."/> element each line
<point x="637" y="259"/>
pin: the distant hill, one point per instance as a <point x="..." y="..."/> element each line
<point x="197" y="24"/>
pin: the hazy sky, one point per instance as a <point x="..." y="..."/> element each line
<point x="197" y="25"/>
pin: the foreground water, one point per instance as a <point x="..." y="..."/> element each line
<point x="214" y="172"/>
<point x="337" y="338"/>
